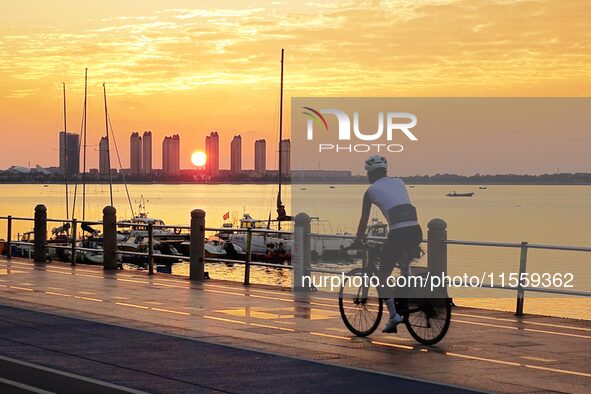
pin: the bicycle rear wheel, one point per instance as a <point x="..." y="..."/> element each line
<point x="428" y="319"/>
<point x="360" y="305"/>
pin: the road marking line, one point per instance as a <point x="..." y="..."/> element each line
<point x="88" y="299"/>
<point x="25" y="387"/>
<point x="490" y="360"/>
<point x="484" y="324"/>
<point x="405" y="347"/>
<point x="57" y="294"/>
<point x="587" y="375"/>
<point x="71" y="375"/>
<point x="132" y="305"/>
<point x="226" y="320"/>
<point x="522" y="321"/>
<point x="60" y="272"/>
<point x="170" y="311"/>
<point x="532" y="358"/>
<point x="565" y="334"/>
<point x="21" y="288"/>
<point x="274" y="327"/>
<point x="320" y="334"/>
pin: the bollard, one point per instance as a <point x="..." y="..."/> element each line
<point x="197" y="250"/>
<point x="73" y="245"/>
<point x="109" y="238"/>
<point x="40" y="232"/>
<point x="522" y="270"/>
<point x="248" y="256"/>
<point x="437" y="248"/>
<point x="9" y="237"/>
<point x="151" y="248"/>
<point x="301" y="255"/>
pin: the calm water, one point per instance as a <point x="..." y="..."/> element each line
<point x="537" y="214"/>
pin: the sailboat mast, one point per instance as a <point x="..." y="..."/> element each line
<point x="84" y="143"/>
<point x="66" y="161"/>
<point x="108" y="148"/>
<point x="280" y="134"/>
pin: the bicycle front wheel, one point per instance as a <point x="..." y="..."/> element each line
<point x="360" y="305"/>
<point x="428" y="319"/>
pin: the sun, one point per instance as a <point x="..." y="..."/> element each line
<point x="198" y="158"/>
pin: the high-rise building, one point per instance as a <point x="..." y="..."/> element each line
<point x="285" y="155"/>
<point x="69" y="153"/>
<point x="147" y="152"/>
<point x="260" y="156"/>
<point x="236" y="155"/>
<point x="135" y="153"/>
<point x="212" y="152"/>
<point x="104" y="165"/>
<point x="171" y="155"/>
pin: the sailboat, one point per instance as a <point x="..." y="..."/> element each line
<point x="268" y="247"/>
<point x="90" y="238"/>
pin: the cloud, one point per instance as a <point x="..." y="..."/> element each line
<point x="367" y="47"/>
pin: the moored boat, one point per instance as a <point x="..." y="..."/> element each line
<point x="454" y="194"/>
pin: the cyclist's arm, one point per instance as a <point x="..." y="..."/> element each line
<point x="365" y="211"/>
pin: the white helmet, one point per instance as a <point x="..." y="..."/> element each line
<point x="375" y="162"/>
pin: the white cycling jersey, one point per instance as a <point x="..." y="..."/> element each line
<point x="388" y="193"/>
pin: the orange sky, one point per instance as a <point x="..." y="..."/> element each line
<point x="174" y="68"/>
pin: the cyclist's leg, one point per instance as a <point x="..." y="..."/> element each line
<point x="399" y="248"/>
<point x="387" y="263"/>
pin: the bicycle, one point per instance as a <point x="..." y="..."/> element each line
<point x="426" y="319"/>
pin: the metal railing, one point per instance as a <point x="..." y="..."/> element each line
<point x="437" y="238"/>
<point x="521" y="288"/>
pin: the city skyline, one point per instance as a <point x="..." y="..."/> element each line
<point x="140" y="158"/>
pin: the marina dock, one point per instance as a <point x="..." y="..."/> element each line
<point x="167" y="333"/>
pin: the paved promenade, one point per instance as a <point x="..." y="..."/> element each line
<point x="289" y="342"/>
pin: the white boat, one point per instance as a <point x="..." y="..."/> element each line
<point x="141" y="221"/>
<point x="262" y="243"/>
<point x="140" y="227"/>
<point x="327" y="248"/>
<point x="377" y="228"/>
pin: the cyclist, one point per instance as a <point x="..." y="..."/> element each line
<point x="404" y="235"/>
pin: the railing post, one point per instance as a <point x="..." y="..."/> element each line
<point x="109" y="238"/>
<point x="9" y="237"/>
<point x="40" y="233"/>
<point x="197" y="250"/>
<point x="437" y="248"/>
<point x="150" y="248"/>
<point x="301" y="256"/>
<point x="73" y="246"/>
<point x="248" y="256"/>
<point x="522" y="270"/>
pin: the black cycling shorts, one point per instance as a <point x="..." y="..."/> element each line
<point x="405" y="240"/>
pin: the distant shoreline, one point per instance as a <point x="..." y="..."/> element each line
<point x="336" y="182"/>
<point x="302" y="177"/>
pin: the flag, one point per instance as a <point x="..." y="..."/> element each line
<point x="226" y="215"/>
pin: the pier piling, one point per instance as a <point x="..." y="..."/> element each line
<point x="522" y="271"/>
<point x="40" y="232"/>
<point x="109" y="238"/>
<point x="197" y="250"/>
<point x="437" y="247"/>
<point x="302" y="253"/>
<point x="9" y="237"/>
